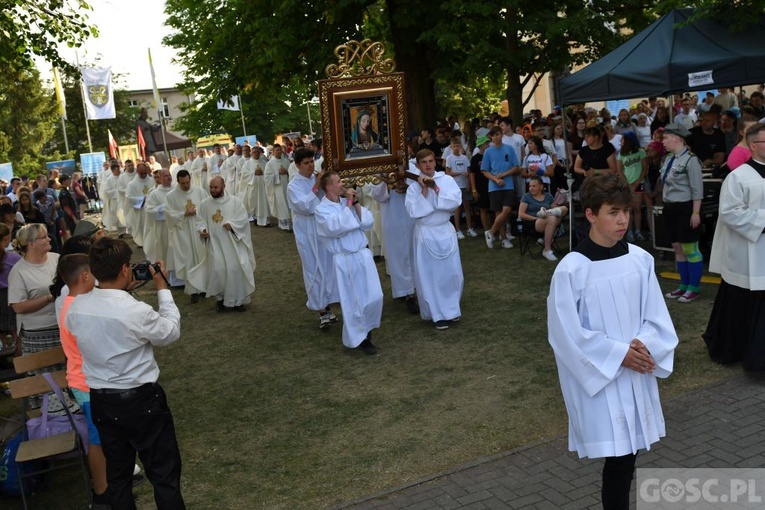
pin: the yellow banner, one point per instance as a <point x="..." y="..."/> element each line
<point x="209" y="141"/>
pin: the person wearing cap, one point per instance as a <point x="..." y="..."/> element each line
<point x="707" y="142"/>
<point x="682" y="194"/>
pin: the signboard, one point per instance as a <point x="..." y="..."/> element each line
<point x="92" y="162"/>
<point x="250" y="138"/>
<point x="616" y="105"/>
<point x="126" y="152"/>
<point x="6" y="171"/>
<point x="208" y="141"/>
<point x="66" y="166"/>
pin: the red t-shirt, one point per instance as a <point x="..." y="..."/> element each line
<point x="74" y="375"/>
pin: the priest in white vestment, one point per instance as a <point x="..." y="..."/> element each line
<point x="217" y="160"/>
<point x="181" y="216"/>
<point x="135" y="198"/>
<point x="437" y="266"/>
<point x="112" y="216"/>
<point x="340" y="223"/>
<point x="398" y="241"/>
<point x="736" y="329"/>
<point x="304" y="196"/>
<point x="246" y="180"/>
<point x="612" y="337"/>
<point x="259" y="198"/>
<point x="156" y="244"/>
<point x="277" y="179"/>
<point x="226" y="272"/>
<point x="228" y="170"/>
<point x="200" y="169"/>
<point x="122" y="184"/>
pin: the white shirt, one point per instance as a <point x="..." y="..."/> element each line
<point x="123" y="358"/>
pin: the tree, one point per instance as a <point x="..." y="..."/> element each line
<point x="31" y="27"/>
<point x="27" y="119"/>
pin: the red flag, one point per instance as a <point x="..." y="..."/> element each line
<point x="142" y="144"/>
<point x="112" y="145"/>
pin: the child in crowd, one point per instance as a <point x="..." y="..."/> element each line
<point x="612" y="337"/>
<point x="458" y="166"/>
<point x="629" y="164"/>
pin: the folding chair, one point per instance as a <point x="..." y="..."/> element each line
<point x="530" y="241"/>
<point x="51" y="447"/>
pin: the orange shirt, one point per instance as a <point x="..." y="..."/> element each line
<point x="74" y="375"/>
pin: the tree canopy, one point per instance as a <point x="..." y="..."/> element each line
<point x="31" y="27"/>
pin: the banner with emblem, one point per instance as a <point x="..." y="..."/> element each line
<point x="98" y="93"/>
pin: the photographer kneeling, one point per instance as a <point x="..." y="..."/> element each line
<point x="116" y="334"/>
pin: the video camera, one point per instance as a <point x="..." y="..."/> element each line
<point x="141" y="271"/>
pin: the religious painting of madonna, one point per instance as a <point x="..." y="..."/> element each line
<point x="363" y="124"/>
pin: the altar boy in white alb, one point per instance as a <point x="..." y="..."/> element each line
<point x="437" y="266"/>
<point x="340" y="223"/>
<point x="612" y="337"/>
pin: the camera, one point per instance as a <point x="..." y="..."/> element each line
<point x="141" y="271"/>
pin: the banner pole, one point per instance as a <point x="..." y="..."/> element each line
<point x="241" y="112"/>
<point x="63" y="130"/>
<point x="84" y="108"/>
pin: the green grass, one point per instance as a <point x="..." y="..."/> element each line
<point x="273" y="413"/>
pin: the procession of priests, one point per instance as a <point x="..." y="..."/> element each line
<point x="196" y="217"/>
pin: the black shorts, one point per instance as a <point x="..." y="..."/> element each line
<point x="501" y="198"/>
<point x="677" y="221"/>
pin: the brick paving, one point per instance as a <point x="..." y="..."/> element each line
<point x="721" y="426"/>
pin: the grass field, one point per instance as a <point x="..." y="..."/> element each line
<point x="273" y="413"/>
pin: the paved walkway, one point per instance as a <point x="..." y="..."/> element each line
<point x="719" y="426"/>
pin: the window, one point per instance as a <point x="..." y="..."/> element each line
<point x="134" y="103"/>
<point x="165" y="108"/>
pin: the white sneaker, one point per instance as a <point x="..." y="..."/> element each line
<point x="460" y="235"/>
<point x="472" y="233"/>
<point x="542" y="213"/>
<point x="549" y="255"/>
<point x="507" y="244"/>
<point x="510" y="237"/>
<point x="489" y="239"/>
<point x="541" y="242"/>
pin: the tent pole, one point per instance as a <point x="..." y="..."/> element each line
<point x="569" y="166"/>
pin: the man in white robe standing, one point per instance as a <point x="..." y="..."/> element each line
<point x="200" y="169"/>
<point x="245" y="181"/>
<point x="228" y="171"/>
<point x="277" y="178"/>
<point x="398" y="236"/>
<point x="217" y="160"/>
<point x="156" y="244"/>
<point x="227" y="269"/>
<point x="437" y="266"/>
<point x="304" y="196"/>
<point x="122" y="184"/>
<point x="259" y="198"/>
<point x="135" y="198"/>
<point x="112" y="216"/>
<point x="181" y="216"/>
<point x="340" y="223"/>
<point x="612" y="337"/>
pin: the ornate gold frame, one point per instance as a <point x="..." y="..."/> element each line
<point x="357" y="77"/>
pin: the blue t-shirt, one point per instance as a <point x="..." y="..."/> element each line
<point x="533" y="205"/>
<point x="497" y="160"/>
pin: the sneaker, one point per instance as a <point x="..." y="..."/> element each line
<point x="630" y="237"/>
<point x="332" y="316"/>
<point x="324" y="321"/>
<point x="460" y="235"/>
<point x="472" y="233"/>
<point x="456" y="319"/>
<point x="674" y="294"/>
<point x="639" y="236"/>
<point x="549" y="255"/>
<point x="510" y="237"/>
<point x="542" y="213"/>
<point x="194" y="298"/>
<point x="219" y="307"/>
<point x="489" y="239"/>
<point x="412" y="305"/>
<point x="540" y="241"/>
<point x="507" y="244"/>
<point x="367" y="347"/>
<point x="688" y="297"/>
<point x="239" y="308"/>
<point x="441" y="325"/>
<point x="101" y="501"/>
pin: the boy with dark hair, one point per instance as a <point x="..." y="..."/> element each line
<point x="612" y="337"/>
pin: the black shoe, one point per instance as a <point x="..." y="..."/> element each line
<point x="101" y="501"/>
<point x="194" y="298"/>
<point x="411" y="305"/>
<point x="240" y="308"/>
<point x="138" y="479"/>
<point x="219" y="307"/>
<point x="367" y="347"/>
<point x="441" y="325"/>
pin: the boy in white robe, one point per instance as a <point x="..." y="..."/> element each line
<point x="227" y="270"/>
<point x="437" y="266"/>
<point x="340" y="223"/>
<point x="303" y="196"/>
<point x="277" y="177"/>
<point x="612" y="337"/>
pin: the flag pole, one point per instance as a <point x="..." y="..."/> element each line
<point x="241" y="112"/>
<point x="158" y="103"/>
<point x="61" y="106"/>
<point x="84" y="108"/>
<point x="63" y="130"/>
